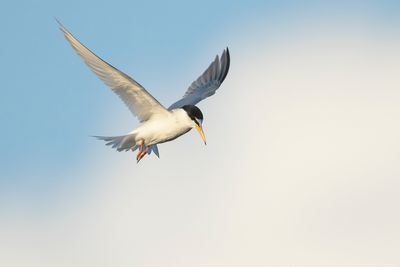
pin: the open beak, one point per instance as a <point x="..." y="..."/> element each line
<point x="200" y="130"/>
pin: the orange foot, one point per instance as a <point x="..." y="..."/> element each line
<point x="143" y="150"/>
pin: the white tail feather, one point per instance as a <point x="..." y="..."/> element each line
<point x="121" y="143"/>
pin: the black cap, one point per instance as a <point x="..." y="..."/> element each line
<point x="193" y="112"/>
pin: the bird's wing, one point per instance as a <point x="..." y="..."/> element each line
<point x="207" y="83"/>
<point x="139" y="101"/>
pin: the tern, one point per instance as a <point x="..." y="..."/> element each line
<point x="157" y="123"/>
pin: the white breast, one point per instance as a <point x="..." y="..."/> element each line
<point x="164" y="128"/>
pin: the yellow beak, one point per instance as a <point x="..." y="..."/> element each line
<point x="200" y="130"/>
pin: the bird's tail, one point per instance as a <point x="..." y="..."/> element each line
<point x="126" y="143"/>
<point x="121" y="143"/>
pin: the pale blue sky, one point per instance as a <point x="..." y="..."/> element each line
<point x="52" y="103"/>
<point x="45" y="113"/>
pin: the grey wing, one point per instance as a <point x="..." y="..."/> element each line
<point x="139" y="101"/>
<point x="207" y="83"/>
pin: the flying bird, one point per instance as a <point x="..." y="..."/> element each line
<point x="157" y="123"/>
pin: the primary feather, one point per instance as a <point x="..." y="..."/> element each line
<point x="207" y="83"/>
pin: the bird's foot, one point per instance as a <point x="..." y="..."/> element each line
<point x="143" y="150"/>
<point x="140" y="155"/>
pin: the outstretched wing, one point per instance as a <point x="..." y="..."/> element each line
<point x="207" y="83"/>
<point x="139" y="101"/>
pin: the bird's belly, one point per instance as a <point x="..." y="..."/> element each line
<point x="160" y="131"/>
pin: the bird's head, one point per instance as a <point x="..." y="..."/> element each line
<point x="196" y="116"/>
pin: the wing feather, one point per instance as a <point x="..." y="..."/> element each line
<point x="140" y="102"/>
<point x="207" y="83"/>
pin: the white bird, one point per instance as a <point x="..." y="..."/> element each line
<point x="158" y="124"/>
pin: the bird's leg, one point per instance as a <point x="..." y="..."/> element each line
<point x="139" y="155"/>
<point x="142" y="154"/>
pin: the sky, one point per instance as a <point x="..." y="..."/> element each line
<point x="301" y="166"/>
